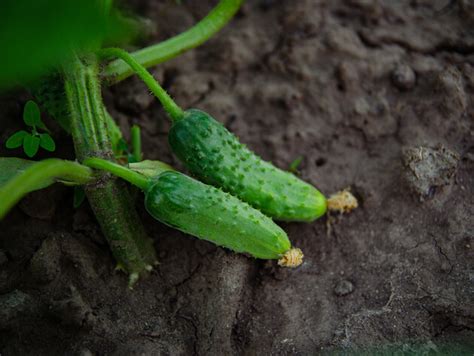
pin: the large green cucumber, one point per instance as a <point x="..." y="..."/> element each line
<point x="213" y="215"/>
<point x="215" y="156"/>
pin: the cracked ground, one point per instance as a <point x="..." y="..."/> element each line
<point x="374" y="95"/>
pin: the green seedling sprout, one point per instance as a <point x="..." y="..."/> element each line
<point x="124" y="153"/>
<point x="33" y="140"/>
<point x="293" y="168"/>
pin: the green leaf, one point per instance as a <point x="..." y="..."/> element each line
<point x="11" y="166"/>
<point x="47" y="142"/>
<point x="79" y="196"/>
<point x="39" y="35"/>
<point x="18" y="177"/>
<point x="16" y="140"/>
<point x="32" y="114"/>
<point x="31" y="145"/>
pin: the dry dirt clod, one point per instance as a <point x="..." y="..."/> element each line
<point x="428" y="169"/>
<point x="455" y="100"/>
<point x="14" y="305"/>
<point x="45" y="264"/>
<point x="73" y="310"/>
<point x="343" y="288"/>
<point x="403" y="77"/>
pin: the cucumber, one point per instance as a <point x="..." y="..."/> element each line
<point x="213" y="215"/>
<point x="216" y="157"/>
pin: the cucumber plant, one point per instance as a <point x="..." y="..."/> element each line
<point x="68" y="87"/>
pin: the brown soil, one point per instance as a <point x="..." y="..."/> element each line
<point x="375" y="95"/>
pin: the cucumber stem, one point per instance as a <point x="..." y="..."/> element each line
<point x="217" y="18"/>
<point x="120" y="171"/>
<point x="136" y="140"/>
<point x="173" y="110"/>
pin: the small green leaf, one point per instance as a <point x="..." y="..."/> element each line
<point x="31" y="145"/>
<point x="47" y="142"/>
<point x="41" y="125"/>
<point x="294" y="165"/>
<point x="16" y="140"/>
<point x="79" y="196"/>
<point x="31" y="114"/>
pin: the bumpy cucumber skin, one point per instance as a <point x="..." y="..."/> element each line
<point x="215" y="156"/>
<point x="213" y="215"/>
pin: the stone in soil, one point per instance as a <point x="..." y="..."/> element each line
<point x="343" y="288"/>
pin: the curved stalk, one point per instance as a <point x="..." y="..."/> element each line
<point x="139" y="174"/>
<point x="173" y="110"/>
<point x="117" y="170"/>
<point x="41" y="174"/>
<point x="217" y="18"/>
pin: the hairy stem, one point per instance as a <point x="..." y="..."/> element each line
<point x="173" y="110"/>
<point x="195" y="36"/>
<point x="109" y="197"/>
<point x="120" y="171"/>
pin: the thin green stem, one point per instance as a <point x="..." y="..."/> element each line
<point x="136" y="141"/>
<point x="41" y="173"/>
<point x="195" y="36"/>
<point x="173" y="110"/>
<point x="120" y="171"/>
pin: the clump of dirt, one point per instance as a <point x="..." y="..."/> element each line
<point x="348" y="86"/>
<point x="428" y="169"/>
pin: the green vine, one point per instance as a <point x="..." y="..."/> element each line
<point x="168" y="103"/>
<point x="161" y="52"/>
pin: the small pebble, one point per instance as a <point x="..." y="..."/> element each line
<point x="343" y="287"/>
<point x="3" y="257"/>
<point x="403" y="77"/>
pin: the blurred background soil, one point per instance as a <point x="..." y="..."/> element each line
<point x="375" y="95"/>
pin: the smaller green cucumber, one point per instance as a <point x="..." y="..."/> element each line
<point x="213" y="215"/>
